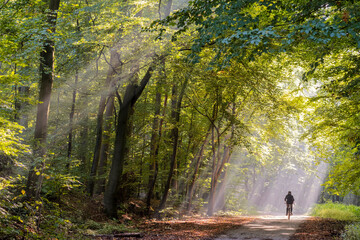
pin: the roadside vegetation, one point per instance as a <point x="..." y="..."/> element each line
<point x="341" y="212"/>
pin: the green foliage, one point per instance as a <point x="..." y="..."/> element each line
<point x="254" y="101"/>
<point x="352" y="232"/>
<point x="245" y="29"/>
<point x="334" y="118"/>
<point x="57" y="184"/>
<point x="91" y="227"/>
<point x="10" y="142"/>
<point x="337" y="211"/>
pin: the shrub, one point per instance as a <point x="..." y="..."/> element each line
<point x="337" y="211"/>
<point x="112" y="228"/>
<point x="352" y="232"/>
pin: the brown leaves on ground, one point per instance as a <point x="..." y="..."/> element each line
<point x="319" y="229"/>
<point x="190" y="228"/>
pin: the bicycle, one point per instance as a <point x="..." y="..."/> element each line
<point x="288" y="210"/>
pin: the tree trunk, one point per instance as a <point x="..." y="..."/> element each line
<point x="220" y="203"/>
<point x="218" y="164"/>
<point x="213" y="182"/>
<point x="154" y="149"/>
<point x="198" y="159"/>
<point x="71" y="118"/>
<point x="83" y="145"/>
<point x="21" y="102"/>
<point x="132" y="94"/>
<point x="176" y="106"/>
<point x="155" y="137"/>
<point x="104" y="151"/>
<point x="34" y="181"/>
<point x="114" y="65"/>
<point x="168" y="8"/>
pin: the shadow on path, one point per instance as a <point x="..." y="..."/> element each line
<point x="266" y="228"/>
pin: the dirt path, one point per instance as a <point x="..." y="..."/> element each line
<point x="265" y="228"/>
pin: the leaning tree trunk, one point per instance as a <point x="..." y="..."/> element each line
<point x="35" y="177"/>
<point x="132" y="94"/>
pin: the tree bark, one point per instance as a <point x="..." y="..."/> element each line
<point x="83" y="145"/>
<point x="168" y="8"/>
<point x="176" y="106"/>
<point x="114" y="65"/>
<point x="218" y="164"/>
<point x="210" y="210"/>
<point x="132" y="94"/>
<point x="198" y="159"/>
<point x="104" y="151"/>
<point x="220" y="203"/>
<point x="155" y="138"/>
<point x="71" y="119"/>
<point x="34" y="180"/>
<point x="154" y="150"/>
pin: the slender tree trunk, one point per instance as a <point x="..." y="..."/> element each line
<point x="22" y="94"/>
<point x="98" y="140"/>
<point x="104" y="151"/>
<point x="220" y="203"/>
<point x="71" y="119"/>
<point x="218" y="167"/>
<point x="83" y="145"/>
<point x="35" y="177"/>
<point x="155" y="137"/>
<point x="132" y="94"/>
<point x="198" y="159"/>
<point x="218" y="163"/>
<point x="213" y="182"/>
<point x="114" y="65"/>
<point x="176" y="106"/>
<point x="154" y="150"/>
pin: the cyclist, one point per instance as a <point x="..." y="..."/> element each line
<point x="289" y="200"/>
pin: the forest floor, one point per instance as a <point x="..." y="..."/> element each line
<point x="225" y="228"/>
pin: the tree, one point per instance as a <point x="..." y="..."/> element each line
<point x="106" y="101"/>
<point x="175" y="115"/>
<point x="46" y="81"/>
<point x="132" y="93"/>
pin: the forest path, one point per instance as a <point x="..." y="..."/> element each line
<point x="266" y="228"/>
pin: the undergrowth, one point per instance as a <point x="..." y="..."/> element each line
<point x="341" y="212"/>
<point x="337" y="211"/>
<point x="352" y="232"/>
<point x="73" y="215"/>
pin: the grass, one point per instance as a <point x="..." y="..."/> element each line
<point x="337" y="211"/>
<point x="341" y="212"/>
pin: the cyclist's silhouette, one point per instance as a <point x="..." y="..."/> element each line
<point x="289" y="200"/>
